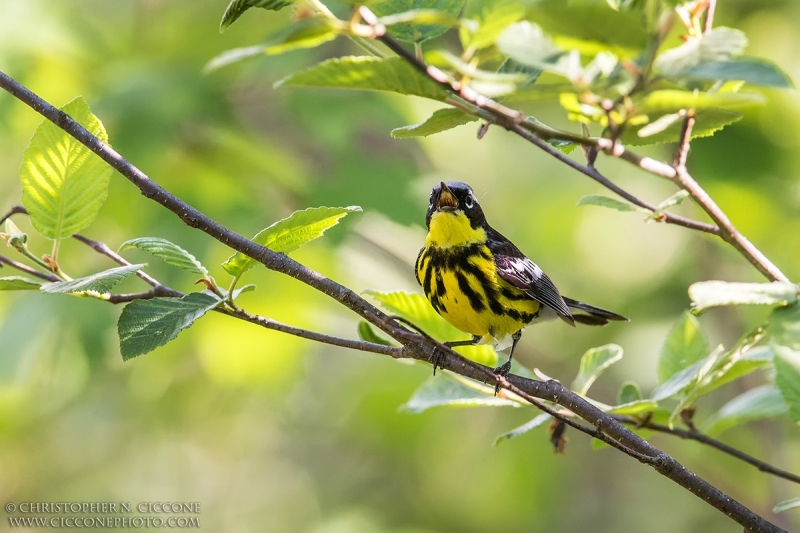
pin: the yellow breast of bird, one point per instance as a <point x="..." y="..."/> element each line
<point x="458" y="275"/>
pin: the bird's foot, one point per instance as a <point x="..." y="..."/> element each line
<point x="438" y="359"/>
<point x="501" y="372"/>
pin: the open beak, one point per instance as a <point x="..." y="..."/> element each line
<point x="447" y="200"/>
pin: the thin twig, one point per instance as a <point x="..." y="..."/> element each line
<point x="15" y="210"/>
<point x="696" y="435"/>
<point x="28" y="270"/>
<point x="415" y="345"/>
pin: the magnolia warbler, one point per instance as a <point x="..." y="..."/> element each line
<point x="481" y="283"/>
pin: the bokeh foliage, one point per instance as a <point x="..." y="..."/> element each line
<point x="228" y="404"/>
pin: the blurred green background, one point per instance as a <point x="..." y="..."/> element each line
<point x="272" y="433"/>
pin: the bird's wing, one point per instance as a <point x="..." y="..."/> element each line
<point x="526" y="275"/>
<point x="416" y="265"/>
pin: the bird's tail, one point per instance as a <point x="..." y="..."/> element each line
<point x="591" y="315"/>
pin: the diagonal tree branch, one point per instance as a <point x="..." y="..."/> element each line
<point x="414" y="345"/>
<point x="28" y="270"/>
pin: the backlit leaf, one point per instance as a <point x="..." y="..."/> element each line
<point x="524" y="428"/>
<point x="237" y="7"/>
<point x="63" y="182"/>
<point x="752" y="71"/>
<point x="756" y="404"/>
<point x="605" y="201"/>
<point x="441" y="120"/>
<point x="787" y="378"/>
<point x="418" y="31"/>
<point x="19" y="283"/>
<point x="368" y="73"/>
<point x="289" y="234"/>
<point x="593" y="363"/>
<point x="101" y="283"/>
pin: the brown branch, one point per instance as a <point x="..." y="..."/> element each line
<point x="414" y="345"/>
<point x="28" y="270"/>
<point x="516" y="122"/>
<point x="696" y="435"/>
<point x="727" y="231"/>
<point x="15" y="210"/>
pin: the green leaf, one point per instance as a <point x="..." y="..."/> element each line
<point x="787" y="378"/>
<point x="629" y="392"/>
<point x="524" y="428"/>
<point x="531" y="74"/>
<point x="228" y="57"/>
<point x="685" y="345"/>
<point x="785" y="506"/>
<point x="683" y="379"/>
<point x="368" y="73"/>
<point x="593" y="363"/>
<point x="415" y="308"/>
<point x="720" y="44"/>
<point x="491" y="19"/>
<point x="526" y="43"/>
<point x="307" y="33"/>
<point x="707" y="123"/>
<point x="101" y="283"/>
<point x="237" y="7"/>
<point x="449" y="391"/>
<point x="738" y="362"/>
<point x="750" y="70"/>
<point x="63" y="183"/>
<point x="756" y="404"/>
<point x="18" y="283"/>
<point x="441" y="120"/>
<point x="673" y="101"/>
<point x="172" y="254"/>
<point x="144" y="325"/>
<point x="636" y="407"/>
<point x="784" y="326"/>
<point x="417" y="32"/>
<point x="289" y="234"/>
<point x="367" y="333"/>
<point x="708" y="294"/>
<point x="605" y="201"/>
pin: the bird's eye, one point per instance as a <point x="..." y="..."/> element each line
<point x="468" y="202"/>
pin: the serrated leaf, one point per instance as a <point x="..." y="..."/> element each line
<point x="491" y="19"/>
<point x="453" y="392"/>
<point x="786" y="505"/>
<point x="416" y="308"/>
<point x="720" y="44"/>
<point x="526" y="43"/>
<point x="673" y="101"/>
<point x="144" y="325"/>
<point x="172" y="254"/>
<point x="629" y="392"/>
<point x="593" y="363"/>
<point x="237" y="7"/>
<point x="756" y="404"/>
<point x="737" y="363"/>
<point x="289" y="234"/>
<point x="367" y="333"/>
<point x="424" y="29"/>
<point x="531" y="74"/>
<point x="367" y="73"/>
<point x="752" y="71"/>
<point x="441" y="120"/>
<point x="101" y="283"/>
<point x="684" y="346"/>
<point x="707" y="123"/>
<point x="708" y="294"/>
<point x="19" y="283"/>
<point x="784" y="326"/>
<point x="787" y="378"/>
<point x="605" y="201"/>
<point x="63" y="182"/>
<point x="521" y="430"/>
